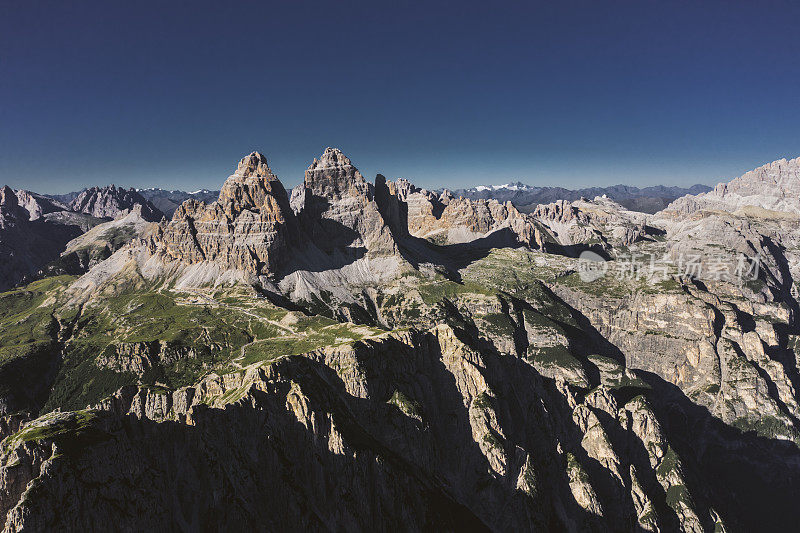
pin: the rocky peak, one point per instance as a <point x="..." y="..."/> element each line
<point x="254" y="187"/>
<point x="333" y="176"/>
<point x="30" y="238"/>
<point x="38" y="205"/>
<point x="8" y="206"/>
<point x="558" y="211"/>
<point x="778" y="179"/>
<point x="254" y="164"/>
<point x="247" y="228"/>
<point x="8" y="197"/>
<point x="338" y="209"/>
<point x="111" y="202"/>
<point x="774" y="186"/>
<point x="331" y="157"/>
<point x="10" y="209"/>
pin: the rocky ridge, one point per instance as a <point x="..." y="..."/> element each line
<point x="774" y="187"/>
<point x="443" y="443"/>
<point x="168" y="201"/>
<point x="444" y="219"/>
<point x="526" y="197"/>
<point x="33" y="232"/>
<point x="112" y="202"/>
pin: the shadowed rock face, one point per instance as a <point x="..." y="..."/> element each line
<point x="33" y="232"/>
<point x="448" y="220"/>
<point x="415" y="429"/>
<point x="338" y="208"/>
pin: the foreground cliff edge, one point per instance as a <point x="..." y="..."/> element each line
<point x="360" y="356"/>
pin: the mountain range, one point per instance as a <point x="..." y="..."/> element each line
<point x="361" y="355"/>
<point x="526" y="197"/>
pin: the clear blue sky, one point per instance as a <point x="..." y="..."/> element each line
<point x="172" y="94"/>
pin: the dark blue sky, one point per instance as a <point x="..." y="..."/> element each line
<point x="172" y="94"/>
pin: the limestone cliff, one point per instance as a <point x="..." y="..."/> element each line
<point x="33" y="232"/>
<point x="414" y="430"/>
<point x="247" y="228"/>
<point x="339" y="211"/>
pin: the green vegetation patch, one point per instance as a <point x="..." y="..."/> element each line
<point x="669" y="462"/>
<point x="27" y="325"/>
<point x="188" y="335"/>
<point x="433" y="292"/>
<point x="407" y="405"/>
<point x="499" y="324"/>
<point x="766" y="426"/>
<point x="72" y="430"/>
<point x="676" y="495"/>
<point x="575" y="468"/>
<point x="558" y="356"/>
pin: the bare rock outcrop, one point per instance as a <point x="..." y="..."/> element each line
<point x="444" y="219"/>
<point x="33" y="232"/>
<point x="774" y="186"/>
<point x="339" y="212"/>
<point x="409" y="429"/>
<point x="248" y="227"/>
<point x="600" y="223"/>
<point x="112" y="202"/>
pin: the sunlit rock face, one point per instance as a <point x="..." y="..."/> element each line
<point x="246" y="228"/>
<point x="774" y="186"/>
<point x="444" y="219"/>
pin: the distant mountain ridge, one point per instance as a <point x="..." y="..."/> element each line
<point x="527" y="197"/>
<point x="112" y="201"/>
<point x="33" y="231"/>
<point x="168" y="201"/>
<point x="163" y="200"/>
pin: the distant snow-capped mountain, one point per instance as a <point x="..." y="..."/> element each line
<point x="518" y="186"/>
<point x="526" y="197"/>
<point x="168" y="201"/>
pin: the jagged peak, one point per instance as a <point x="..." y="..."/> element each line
<point x="110" y="201"/>
<point x="782" y="173"/>
<point x="253" y="186"/>
<point x="333" y="176"/>
<point x="8" y="196"/>
<point x="782" y="162"/>
<point x="254" y="165"/>
<point x="331" y="158"/>
<point x="106" y="188"/>
<point x="779" y="166"/>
